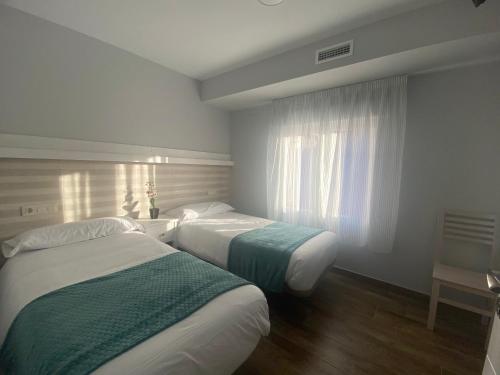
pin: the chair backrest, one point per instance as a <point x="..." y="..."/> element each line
<point x="467" y="227"/>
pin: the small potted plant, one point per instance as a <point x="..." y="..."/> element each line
<point x="152" y="194"/>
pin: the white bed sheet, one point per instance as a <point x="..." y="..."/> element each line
<point x="216" y="339"/>
<point x="209" y="237"/>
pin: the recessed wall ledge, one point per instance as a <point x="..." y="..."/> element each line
<point x="34" y="147"/>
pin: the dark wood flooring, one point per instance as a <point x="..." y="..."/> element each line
<point x="354" y="325"/>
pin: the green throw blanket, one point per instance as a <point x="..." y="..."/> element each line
<point x="262" y="255"/>
<point x="76" y="329"/>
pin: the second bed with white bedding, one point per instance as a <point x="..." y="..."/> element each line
<point x="209" y="238"/>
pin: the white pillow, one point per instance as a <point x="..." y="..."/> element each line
<point x="62" y="234"/>
<point x="197" y="210"/>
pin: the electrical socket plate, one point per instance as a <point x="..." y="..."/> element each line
<point x="43" y="209"/>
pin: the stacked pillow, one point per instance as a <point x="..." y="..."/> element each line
<point x="198" y="210"/>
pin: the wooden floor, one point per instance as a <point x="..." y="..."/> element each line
<point x="354" y="325"/>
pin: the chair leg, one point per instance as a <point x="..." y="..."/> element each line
<point x="433" y="305"/>
<point x="490" y="323"/>
<point x="488" y="335"/>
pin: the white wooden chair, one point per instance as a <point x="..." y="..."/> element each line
<point x="470" y="228"/>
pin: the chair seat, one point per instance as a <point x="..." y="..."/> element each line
<point x="461" y="277"/>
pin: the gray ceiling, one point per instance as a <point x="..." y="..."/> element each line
<point x="203" y="38"/>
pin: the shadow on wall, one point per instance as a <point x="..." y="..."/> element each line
<point x="130" y="206"/>
<point x="105" y="190"/>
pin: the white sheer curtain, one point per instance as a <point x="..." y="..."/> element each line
<point x="334" y="161"/>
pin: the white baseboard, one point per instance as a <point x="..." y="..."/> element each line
<point x="381" y="280"/>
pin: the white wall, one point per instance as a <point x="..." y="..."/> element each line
<point x="451" y="159"/>
<point x="248" y="142"/>
<point x="57" y="82"/>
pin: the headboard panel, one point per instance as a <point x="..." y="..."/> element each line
<point x="73" y="190"/>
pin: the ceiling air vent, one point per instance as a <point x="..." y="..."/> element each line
<point x="334" y="52"/>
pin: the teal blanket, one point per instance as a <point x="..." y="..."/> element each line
<point x="76" y="329"/>
<point x="262" y="255"/>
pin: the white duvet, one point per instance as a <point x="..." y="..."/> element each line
<point x="216" y="339"/>
<point x="209" y="237"/>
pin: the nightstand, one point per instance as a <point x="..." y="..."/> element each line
<point x="162" y="229"/>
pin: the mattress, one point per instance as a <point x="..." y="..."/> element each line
<point x="216" y="339"/>
<point x="209" y="238"/>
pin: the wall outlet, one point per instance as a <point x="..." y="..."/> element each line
<point x="28" y="211"/>
<point x="42" y="209"/>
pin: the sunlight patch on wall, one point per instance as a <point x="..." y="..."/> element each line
<point x="120" y="195"/>
<point x="88" y="208"/>
<point x="75" y="196"/>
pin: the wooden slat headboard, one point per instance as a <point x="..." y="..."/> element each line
<point x="87" y="189"/>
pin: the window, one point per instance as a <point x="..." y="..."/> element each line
<point x="334" y="160"/>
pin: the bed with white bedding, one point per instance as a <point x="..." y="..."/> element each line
<point x="208" y="235"/>
<point x="215" y="339"/>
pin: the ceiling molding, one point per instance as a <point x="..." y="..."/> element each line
<point x="459" y="65"/>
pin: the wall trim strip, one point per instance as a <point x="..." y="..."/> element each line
<point x="34" y="147"/>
